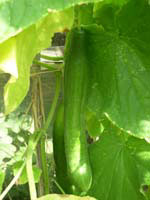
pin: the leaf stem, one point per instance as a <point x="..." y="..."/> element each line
<point x="30" y="176"/>
<point x="53" y="58"/>
<point x="50" y="67"/>
<point x="48" y="122"/>
<point x="59" y="187"/>
<point x="4" y="193"/>
<point x="53" y="106"/>
<point x="44" y="166"/>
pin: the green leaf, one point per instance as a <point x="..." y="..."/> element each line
<point x="2" y="178"/>
<point x="54" y="22"/>
<point x="7" y="149"/>
<point x="23" y="178"/>
<point x="115" y="162"/>
<point x="120" y="73"/>
<point x="16" y="89"/>
<point x="64" y="196"/>
<point x="23" y="54"/>
<point x="140" y="149"/>
<point x="85" y="13"/>
<point x="15" y="16"/>
<point x="8" y="62"/>
<point x="94" y="125"/>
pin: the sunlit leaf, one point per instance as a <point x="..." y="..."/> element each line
<point x="120" y="73"/>
<point x="16" y="89"/>
<point x="23" y="178"/>
<point x="27" y="44"/>
<point x="118" y="164"/>
<point x="8" y="62"/>
<point x="68" y="197"/>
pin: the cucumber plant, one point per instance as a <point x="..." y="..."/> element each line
<point x="106" y="77"/>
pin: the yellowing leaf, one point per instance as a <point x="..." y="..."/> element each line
<point x="8" y="61"/>
<point x="16" y="89"/>
<point x="64" y="197"/>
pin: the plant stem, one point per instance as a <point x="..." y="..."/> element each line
<point x="59" y="187"/>
<point x="44" y="166"/>
<point x="48" y="122"/>
<point x="30" y="149"/>
<point x="4" y="193"/>
<point x="53" y="106"/>
<point x="53" y="58"/>
<point x="42" y="146"/>
<point x="50" y="67"/>
<point x="32" y="188"/>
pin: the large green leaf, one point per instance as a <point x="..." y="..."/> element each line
<point x="17" y="15"/>
<point x="118" y="162"/>
<point x="54" y="22"/>
<point x="17" y="88"/>
<point x="120" y="66"/>
<point x="8" y="57"/>
<point x="140" y="150"/>
<point x="22" y="50"/>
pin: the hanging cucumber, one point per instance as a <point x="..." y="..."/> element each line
<point x="75" y="95"/>
<point x="59" y="152"/>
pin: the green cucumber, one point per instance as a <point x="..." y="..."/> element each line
<point x="59" y="153"/>
<point x="75" y="95"/>
<point x="59" y="150"/>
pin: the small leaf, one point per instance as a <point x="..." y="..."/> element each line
<point x="94" y="125"/>
<point x="23" y="178"/>
<point x="7" y="150"/>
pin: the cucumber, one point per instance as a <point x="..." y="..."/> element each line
<point x="58" y="149"/>
<point x="75" y="96"/>
<point x="59" y="153"/>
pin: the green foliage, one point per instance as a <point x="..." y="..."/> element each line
<point x="26" y="13"/>
<point x="14" y="131"/>
<point x="18" y="53"/>
<point x="118" y="170"/>
<point x="118" y="56"/>
<point x="115" y="49"/>
<point x="23" y="178"/>
<point x="2" y="177"/>
<point x="94" y="125"/>
<point x="17" y="88"/>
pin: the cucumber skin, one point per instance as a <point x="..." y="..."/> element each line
<point x="75" y="95"/>
<point x="59" y="153"/>
<point x="58" y="148"/>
